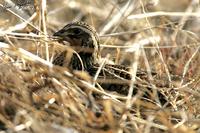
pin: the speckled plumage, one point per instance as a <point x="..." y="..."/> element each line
<point x="80" y="34"/>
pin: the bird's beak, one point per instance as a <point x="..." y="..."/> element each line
<point x="62" y="36"/>
<point x="59" y="33"/>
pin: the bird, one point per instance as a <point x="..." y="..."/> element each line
<point x="85" y="41"/>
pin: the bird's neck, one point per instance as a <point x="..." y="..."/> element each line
<point x="86" y="58"/>
<point x="82" y="61"/>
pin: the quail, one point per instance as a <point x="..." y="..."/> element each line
<point x="86" y="42"/>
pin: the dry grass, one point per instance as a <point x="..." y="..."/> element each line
<point x="36" y="96"/>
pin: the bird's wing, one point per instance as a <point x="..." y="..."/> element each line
<point x="119" y="72"/>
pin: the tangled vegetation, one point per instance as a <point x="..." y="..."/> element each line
<point x="151" y="35"/>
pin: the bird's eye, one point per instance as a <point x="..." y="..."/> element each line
<point x="77" y="31"/>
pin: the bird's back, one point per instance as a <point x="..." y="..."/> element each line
<point x="118" y="78"/>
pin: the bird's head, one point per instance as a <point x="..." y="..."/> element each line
<point x="81" y="36"/>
